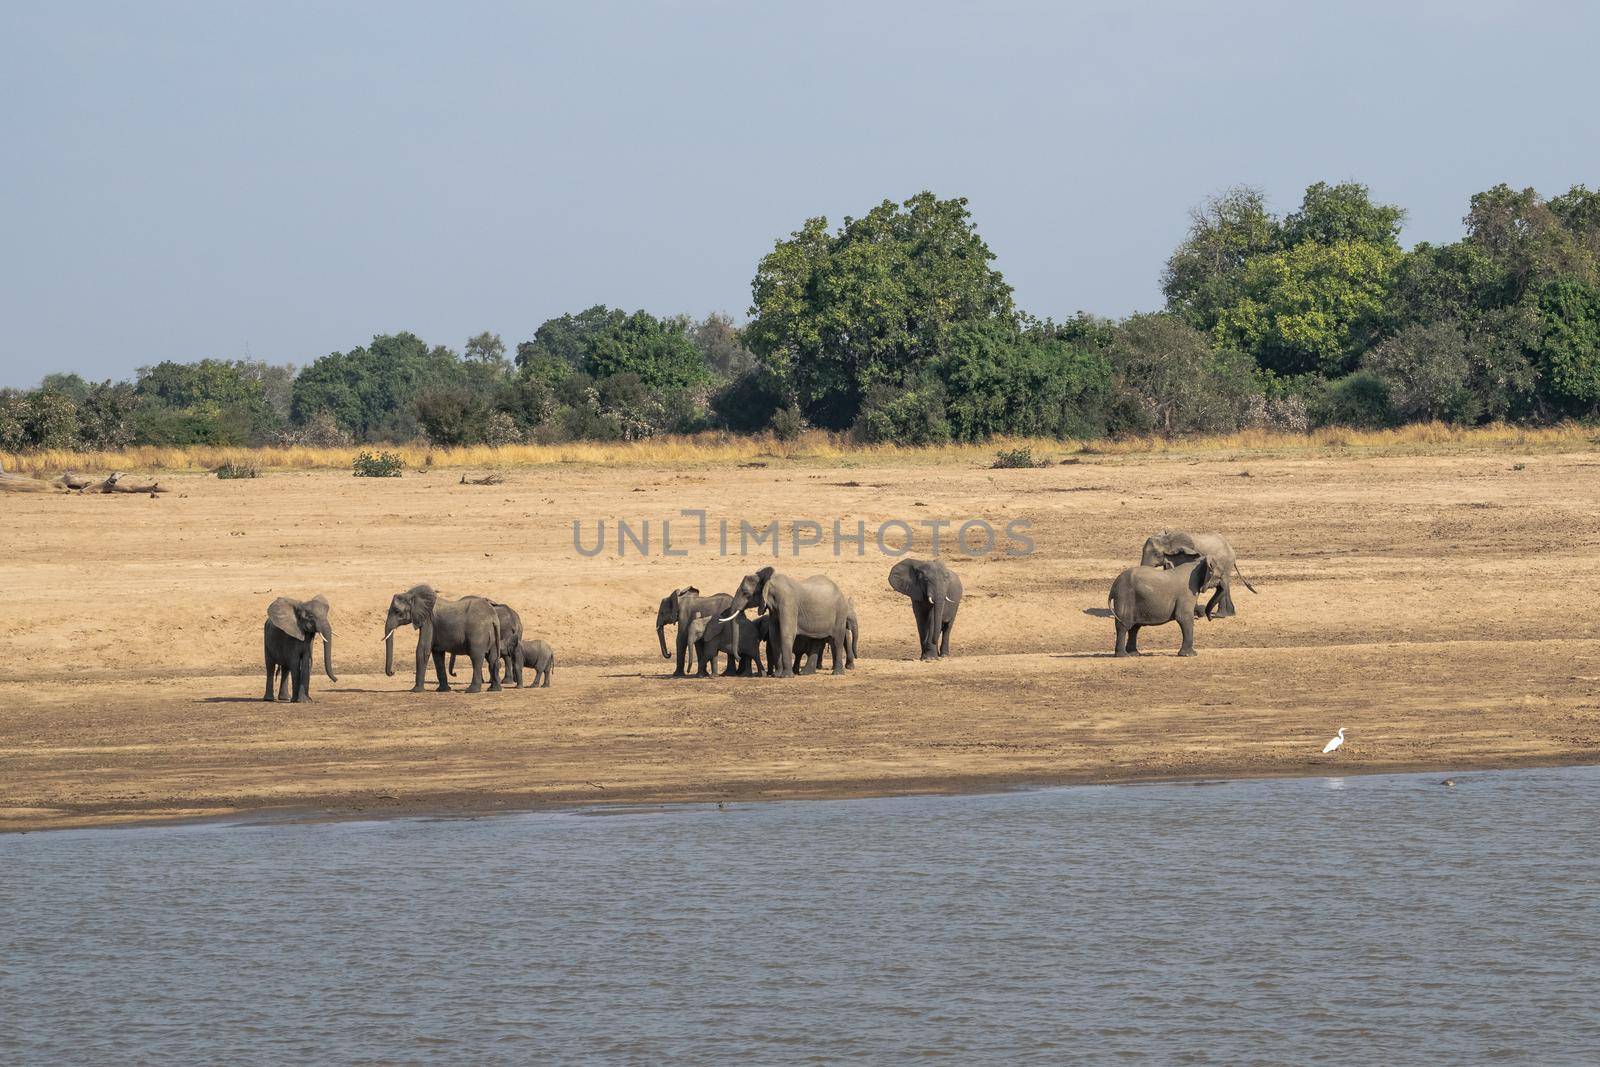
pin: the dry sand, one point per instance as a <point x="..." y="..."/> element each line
<point x="1440" y="608"/>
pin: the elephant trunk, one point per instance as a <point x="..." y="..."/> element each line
<point x="388" y="653"/>
<point x="661" y="636"/>
<point x="327" y="651"/>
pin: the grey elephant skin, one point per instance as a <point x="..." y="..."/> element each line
<point x="808" y="650"/>
<point x="680" y="608"/>
<point x="511" y="662"/>
<point x="286" y="638"/>
<point x="935" y="593"/>
<point x="469" y="627"/>
<point x="812" y="607"/>
<point x="1172" y="547"/>
<point x="542" y="658"/>
<point x="739" y="638"/>
<point x="1151" y="596"/>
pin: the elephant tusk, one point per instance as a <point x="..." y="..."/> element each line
<point x="951" y="599"/>
<point x="727" y="618"/>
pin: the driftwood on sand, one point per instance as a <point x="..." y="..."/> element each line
<point x="74" y="483"/>
<point x="487" y="479"/>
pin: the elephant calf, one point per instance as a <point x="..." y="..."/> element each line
<point x="542" y="658"/>
<point x="739" y="638"/>
<point x="1172" y="547"/>
<point x="290" y="628"/>
<point x="935" y="592"/>
<point x="1151" y="596"/>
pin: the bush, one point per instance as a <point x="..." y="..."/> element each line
<point x="750" y="401"/>
<point x="1169" y="380"/>
<point x="1008" y="459"/>
<point x="996" y="382"/>
<point x="381" y="465"/>
<point x="788" y="423"/>
<point x="502" y="430"/>
<point x="1426" y="371"/>
<point x="909" y="415"/>
<point x="1360" y="400"/>
<point x="237" y="470"/>
<point x="453" y="415"/>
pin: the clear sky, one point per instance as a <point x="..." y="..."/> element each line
<point x="280" y="180"/>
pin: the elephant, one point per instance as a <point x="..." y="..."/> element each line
<point x="681" y="607"/>
<point x="935" y="592"/>
<point x="286" y="638"/>
<point x="542" y="658"/>
<point x="814" y="607"/>
<point x="739" y="637"/>
<point x="510" y="646"/>
<point x="1151" y="596"/>
<point x="808" y="650"/>
<point x="469" y="626"/>
<point x="1170" y="547"/>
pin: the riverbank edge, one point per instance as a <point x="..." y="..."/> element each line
<point x="476" y="804"/>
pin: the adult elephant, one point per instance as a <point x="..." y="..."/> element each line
<point x="469" y="626"/>
<point x="1170" y="548"/>
<point x="511" y="658"/>
<point x="1153" y="596"/>
<point x="286" y="638"/>
<point x="935" y="592"/>
<point x="813" y="607"/>
<point x="681" y="607"/>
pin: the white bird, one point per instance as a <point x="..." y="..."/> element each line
<point x="1333" y="742"/>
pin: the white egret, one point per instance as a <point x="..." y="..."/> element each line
<point x="1334" y="742"/>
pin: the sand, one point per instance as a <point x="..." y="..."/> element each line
<point x="1442" y="609"/>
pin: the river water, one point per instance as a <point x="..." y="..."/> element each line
<point x="1384" y="919"/>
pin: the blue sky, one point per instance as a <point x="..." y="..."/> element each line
<point x="282" y="180"/>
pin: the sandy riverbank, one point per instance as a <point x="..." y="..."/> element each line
<point x="1432" y="605"/>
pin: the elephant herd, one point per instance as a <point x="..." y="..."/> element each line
<point x="795" y="621"/>
<point x="490" y="634"/>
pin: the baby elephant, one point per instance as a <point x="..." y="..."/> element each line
<point x="739" y="637"/>
<point x="542" y="658"/>
<point x="290" y="628"/>
<point x="1151" y="596"/>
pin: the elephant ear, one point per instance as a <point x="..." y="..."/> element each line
<point x="280" y="613"/>
<point x="765" y="574"/>
<point x="422" y="599"/>
<point x="318" y="606"/>
<point x="904" y="579"/>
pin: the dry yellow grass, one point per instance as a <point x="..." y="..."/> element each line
<point x="816" y="446"/>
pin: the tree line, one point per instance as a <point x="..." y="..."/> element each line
<point x="897" y="327"/>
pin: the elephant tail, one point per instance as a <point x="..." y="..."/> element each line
<point x="1241" y="577"/>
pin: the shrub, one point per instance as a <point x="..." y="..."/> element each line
<point x="1360" y="399"/>
<point x="1169" y="380"/>
<point x="750" y="401"/>
<point x="788" y="423"/>
<point x="453" y="415"/>
<point x="381" y="465"/>
<point x="996" y="382"/>
<point x="909" y="415"/>
<point x="232" y="470"/>
<point x="1426" y="371"/>
<point x="1010" y="458"/>
<point x="501" y="430"/>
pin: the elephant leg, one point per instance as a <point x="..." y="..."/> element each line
<point x="1225" y="595"/>
<point x="284" y="679"/>
<point x="683" y="650"/>
<point x="444" y="679"/>
<point x="925" y="639"/>
<point x="1122" y="640"/>
<point x="270" y="667"/>
<point x="303" y="677"/>
<point x="1186" y="624"/>
<point x="424" y="643"/>
<point x="547" y="672"/>
<point x="491" y="660"/>
<point x="944" y="638"/>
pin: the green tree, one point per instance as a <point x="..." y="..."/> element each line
<point x="722" y="347"/>
<point x="1169" y="380"/>
<point x="106" y="415"/>
<point x="1310" y="308"/>
<point x="1334" y="214"/>
<point x="52" y="420"/>
<point x="67" y="384"/>
<point x="1205" y="273"/>
<point x="1427" y="371"/>
<point x="371" y="391"/>
<point x="997" y="382"/>
<point x="1569" y="345"/>
<point x="14" y="407"/>
<point x="835" y="314"/>
<point x="453" y="414"/>
<point x="1527" y="240"/>
<point x="212" y="401"/>
<point x="569" y="337"/>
